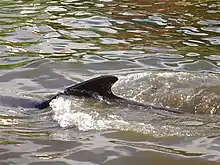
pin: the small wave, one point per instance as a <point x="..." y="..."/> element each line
<point x="192" y="92"/>
<point x="97" y="115"/>
<point x="73" y="113"/>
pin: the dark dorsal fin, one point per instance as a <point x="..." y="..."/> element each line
<point x="96" y="86"/>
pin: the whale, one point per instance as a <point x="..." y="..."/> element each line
<point x="93" y="88"/>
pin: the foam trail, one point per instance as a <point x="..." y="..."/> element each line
<point x="70" y="113"/>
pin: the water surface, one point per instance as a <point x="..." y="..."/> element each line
<point x="164" y="53"/>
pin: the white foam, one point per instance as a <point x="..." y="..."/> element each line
<point x="70" y="113"/>
<point x="80" y="113"/>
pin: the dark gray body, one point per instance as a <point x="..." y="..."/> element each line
<point x="100" y="86"/>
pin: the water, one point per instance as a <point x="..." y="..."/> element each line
<point x="163" y="52"/>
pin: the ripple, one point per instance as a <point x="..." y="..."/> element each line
<point x="211" y="29"/>
<point x="213" y="40"/>
<point x="192" y="31"/>
<point x="209" y="22"/>
<point x="113" y="41"/>
<point x="154" y="20"/>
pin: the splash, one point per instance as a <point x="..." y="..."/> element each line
<point x="71" y="113"/>
<point x="97" y="115"/>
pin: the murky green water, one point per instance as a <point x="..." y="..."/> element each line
<point x="164" y="53"/>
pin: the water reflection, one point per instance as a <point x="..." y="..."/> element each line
<point x="127" y="25"/>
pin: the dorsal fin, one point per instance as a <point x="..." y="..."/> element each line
<point x="99" y="85"/>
